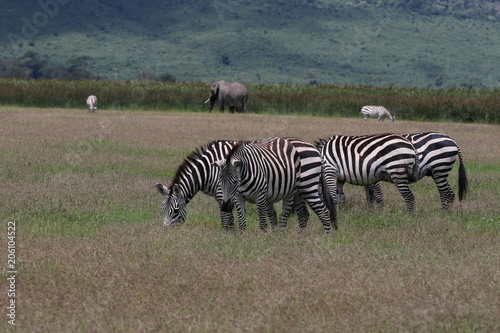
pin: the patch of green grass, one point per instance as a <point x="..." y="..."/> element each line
<point x="93" y="254"/>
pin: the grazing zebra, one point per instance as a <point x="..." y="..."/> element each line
<point x="267" y="171"/>
<point x="364" y="160"/>
<point x="196" y="174"/>
<point x="376" y="112"/>
<point x="92" y="102"/>
<point x="438" y="152"/>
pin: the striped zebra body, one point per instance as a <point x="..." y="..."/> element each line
<point x="311" y="181"/>
<point x="364" y="160"/>
<point x="438" y="153"/>
<point x="195" y="174"/>
<point x="376" y="112"/>
<point x="266" y="171"/>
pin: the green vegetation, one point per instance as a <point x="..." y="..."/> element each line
<point x="413" y="43"/>
<point x="92" y="254"/>
<point x="423" y="104"/>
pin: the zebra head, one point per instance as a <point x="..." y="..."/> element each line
<point x="174" y="206"/>
<point x="229" y="181"/>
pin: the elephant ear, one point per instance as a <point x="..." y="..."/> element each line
<point x="215" y="87"/>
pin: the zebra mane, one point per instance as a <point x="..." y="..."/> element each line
<point x="320" y="143"/>
<point x="233" y="151"/>
<point x="189" y="161"/>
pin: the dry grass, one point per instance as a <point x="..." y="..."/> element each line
<point x="93" y="256"/>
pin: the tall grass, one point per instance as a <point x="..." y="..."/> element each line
<point x="92" y="255"/>
<point x="459" y="105"/>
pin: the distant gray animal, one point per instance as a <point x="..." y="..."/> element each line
<point x="231" y="94"/>
<point x="92" y="102"/>
<point x="376" y="112"/>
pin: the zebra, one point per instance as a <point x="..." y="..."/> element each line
<point x="196" y="173"/>
<point x="91" y="102"/>
<point x="438" y="153"/>
<point x="364" y="160"/>
<point x="376" y="112"/>
<point x="266" y="171"/>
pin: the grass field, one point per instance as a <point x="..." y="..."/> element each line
<point x="92" y="255"/>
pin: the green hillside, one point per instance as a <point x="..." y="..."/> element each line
<point x="398" y="42"/>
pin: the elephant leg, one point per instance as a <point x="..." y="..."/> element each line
<point x="231" y="109"/>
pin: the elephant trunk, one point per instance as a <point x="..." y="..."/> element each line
<point x="212" y="100"/>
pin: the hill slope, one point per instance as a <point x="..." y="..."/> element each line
<point x="404" y="43"/>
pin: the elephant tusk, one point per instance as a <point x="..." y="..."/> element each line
<point x="207" y="101"/>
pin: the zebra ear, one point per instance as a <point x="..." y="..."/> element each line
<point x="219" y="163"/>
<point x="236" y="163"/>
<point x="162" y="189"/>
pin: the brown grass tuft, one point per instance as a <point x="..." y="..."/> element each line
<point x="93" y="257"/>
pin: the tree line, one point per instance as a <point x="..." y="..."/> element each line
<point x="33" y="65"/>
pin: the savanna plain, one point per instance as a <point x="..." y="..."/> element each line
<point x="93" y="256"/>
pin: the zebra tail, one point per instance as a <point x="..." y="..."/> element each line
<point x="327" y="197"/>
<point x="463" y="182"/>
<point x="414" y="172"/>
<point x="330" y="205"/>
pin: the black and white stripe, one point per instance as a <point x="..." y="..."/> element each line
<point x="376" y="112"/>
<point x="364" y="160"/>
<point x="267" y="171"/>
<point x="195" y="174"/>
<point x="438" y="153"/>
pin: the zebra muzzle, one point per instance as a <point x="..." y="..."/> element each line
<point x="227" y="206"/>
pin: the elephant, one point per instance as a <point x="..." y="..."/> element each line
<point x="231" y="94"/>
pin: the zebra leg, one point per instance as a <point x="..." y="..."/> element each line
<point x="370" y="198"/>
<point x="314" y="201"/>
<point x="285" y="212"/>
<point x="227" y="220"/>
<point x="340" y="193"/>
<point x="302" y="212"/>
<point x="240" y="209"/>
<point x="445" y="192"/>
<point x="374" y="194"/>
<point x="226" y="214"/>
<point x="323" y="214"/>
<point x="271" y="214"/>
<point x="408" y="197"/>
<point x="262" y="210"/>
